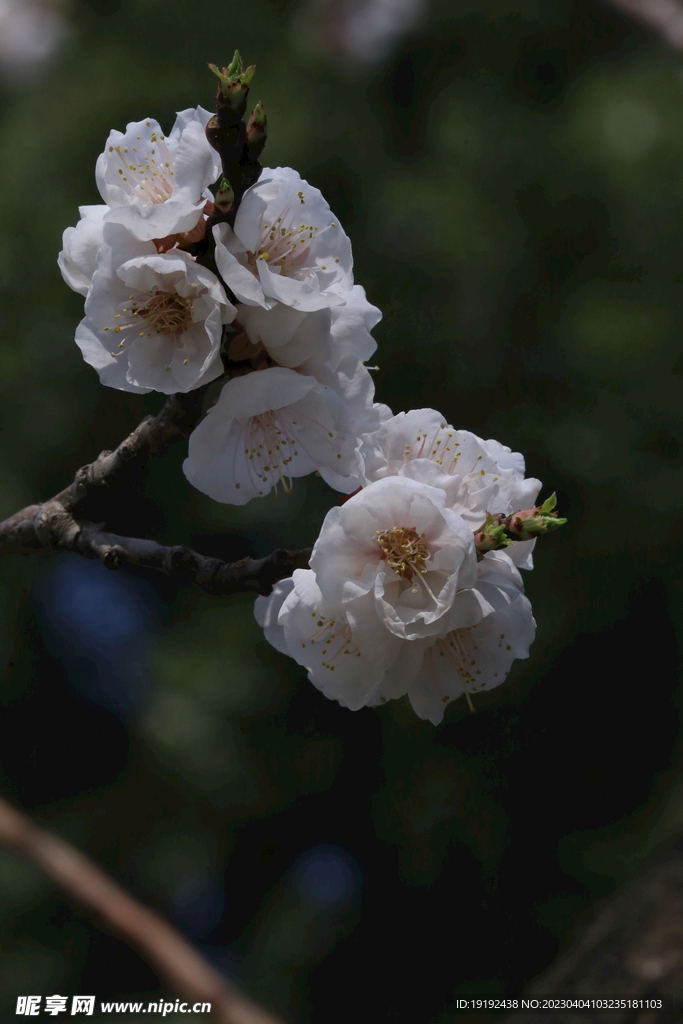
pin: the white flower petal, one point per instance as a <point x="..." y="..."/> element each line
<point x="196" y="162"/>
<point x="342" y="661"/>
<point x="266" y="428"/>
<point x="472" y="659"/>
<point x="239" y="278"/>
<point x="398" y="678"/>
<point x="112" y="370"/>
<point x="266" y="611"/>
<point x="78" y="258"/>
<point x="289" y="335"/>
<point x="138" y="178"/>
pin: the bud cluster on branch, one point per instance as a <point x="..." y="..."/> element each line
<point x="201" y="264"/>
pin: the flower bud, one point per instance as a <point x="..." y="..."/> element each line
<point x="534" y="521"/>
<point x="492" y="536"/>
<point x="224" y="197"/>
<point x="234" y="83"/>
<point x="257" y="131"/>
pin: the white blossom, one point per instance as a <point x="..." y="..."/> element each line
<point x="153" y="320"/>
<point x="267" y="427"/>
<point x="80" y="246"/>
<point x="314" y="342"/>
<point x="478" y="476"/>
<point x="344" y="649"/>
<point x="331" y="345"/>
<point x="475" y="656"/>
<point x="156" y="185"/>
<point x="286" y="246"/>
<point x="352" y="658"/>
<point x="395" y="602"/>
<point x="471" y="659"/>
<point x="398" y="541"/>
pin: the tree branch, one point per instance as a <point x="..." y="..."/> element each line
<point x="54" y="523"/>
<point x="175" y="960"/>
<point x="212" y="575"/>
<point x="53" y="526"/>
<point x="665" y="17"/>
<point x="177" y="418"/>
<point x="634" y="946"/>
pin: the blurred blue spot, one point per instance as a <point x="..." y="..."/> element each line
<point x="198" y="902"/>
<point x="96" y="623"/>
<point x="327" y="877"/>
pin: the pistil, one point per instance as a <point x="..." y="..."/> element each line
<point x="165" y="312"/>
<point x="404" y="550"/>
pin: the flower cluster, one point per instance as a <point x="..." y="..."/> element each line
<point x="299" y="394"/>
<point x="414" y="585"/>
<point x="303" y="395"/>
<point x="398" y="599"/>
<point x="153" y="316"/>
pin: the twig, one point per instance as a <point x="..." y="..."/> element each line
<point x="185" y="970"/>
<point x="177" y="418"/>
<point x="51" y="525"/>
<point x="57" y="528"/>
<point x="663" y="16"/>
<point x="54" y="523"/>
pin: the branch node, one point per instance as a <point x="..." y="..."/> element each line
<point x="180" y="558"/>
<point x="111" y="557"/>
<point x="55" y="527"/>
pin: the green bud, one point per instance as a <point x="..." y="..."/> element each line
<point x="234" y="80"/>
<point x="257" y="120"/>
<point x="534" y="521"/>
<point x="248" y="74"/>
<point x="235" y="67"/>
<point x="224" y="197"/>
<point x="492" y="536"/>
<point x="549" y="504"/>
<point x="256" y="131"/>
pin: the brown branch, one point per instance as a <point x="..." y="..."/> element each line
<point x="53" y="526"/>
<point x="177" y="418"/>
<point x="665" y="17"/>
<point x="174" y="959"/>
<point x="212" y="575"/>
<point x="633" y="946"/>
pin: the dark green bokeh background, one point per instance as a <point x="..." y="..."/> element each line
<point x="510" y="176"/>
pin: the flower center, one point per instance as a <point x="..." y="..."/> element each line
<point x="165" y="312"/>
<point x="404" y="550"/>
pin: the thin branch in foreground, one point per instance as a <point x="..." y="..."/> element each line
<point x="184" y="969"/>
<point x="665" y="17"/>
<point x="632" y="947"/>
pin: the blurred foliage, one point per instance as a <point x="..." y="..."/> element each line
<point x="510" y="176"/>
